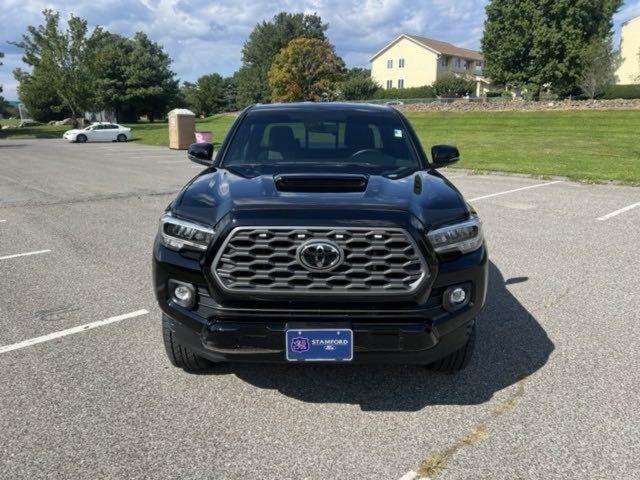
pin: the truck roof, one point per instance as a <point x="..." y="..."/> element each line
<point x="335" y="106"/>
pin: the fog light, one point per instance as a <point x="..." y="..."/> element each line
<point x="457" y="296"/>
<point x="182" y="294"/>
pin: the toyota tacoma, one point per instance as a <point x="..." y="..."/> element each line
<point x="320" y="232"/>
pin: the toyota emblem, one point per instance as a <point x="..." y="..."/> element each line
<point x="319" y="255"/>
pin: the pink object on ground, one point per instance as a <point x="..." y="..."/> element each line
<point x="203" y="137"/>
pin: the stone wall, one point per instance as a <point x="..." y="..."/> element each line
<point x="520" y="106"/>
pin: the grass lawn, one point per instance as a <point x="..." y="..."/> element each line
<point x="592" y="145"/>
<point x="157" y="133"/>
<point x="588" y="145"/>
<point x="42" y="131"/>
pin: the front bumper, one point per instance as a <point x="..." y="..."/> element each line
<point x="409" y="332"/>
<point x="404" y="343"/>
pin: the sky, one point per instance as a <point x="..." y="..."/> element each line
<point x="206" y="36"/>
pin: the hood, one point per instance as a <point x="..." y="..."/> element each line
<point x="209" y="197"/>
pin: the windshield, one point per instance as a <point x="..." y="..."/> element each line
<point x="324" y="141"/>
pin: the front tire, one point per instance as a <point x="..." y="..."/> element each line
<point x="81" y="138"/>
<point x="121" y="138"/>
<point x="460" y="359"/>
<point x="179" y="355"/>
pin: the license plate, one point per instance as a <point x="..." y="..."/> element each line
<point x="319" y="345"/>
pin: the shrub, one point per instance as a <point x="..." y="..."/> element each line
<point x="548" y="96"/>
<point x="405" y="93"/>
<point x="28" y="123"/>
<point x="622" y="91"/>
<point x="359" y="88"/>
<point x="453" y="86"/>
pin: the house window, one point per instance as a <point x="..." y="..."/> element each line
<point x="401" y="63"/>
<point x="458" y="63"/>
<point x="401" y="83"/>
<point x="443" y="61"/>
<point x="478" y="65"/>
<point x="389" y="63"/>
<point x="389" y="83"/>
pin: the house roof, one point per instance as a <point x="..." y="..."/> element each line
<point x="631" y="20"/>
<point x="437" y="46"/>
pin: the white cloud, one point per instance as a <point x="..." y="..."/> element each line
<point x="204" y="36"/>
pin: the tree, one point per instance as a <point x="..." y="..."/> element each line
<point x="1" y="56"/>
<point x="207" y="95"/>
<point x="211" y="89"/>
<point x="150" y="83"/>
<point x="39" y="96"/>
<point x="264" y="43"/>
<point x="358" y="72"/>
<point x="532" y="43"/>
<point x="189" y="94"/>
<point x="307" y="69"/>
<point x="131" y="76"/>
<point x="3" y="105"/>
<point x="599" y="63"/>
<point x="62" y="57"/>
<point x="359" y="85"/>
<point x="453" y="86"/>
<point x="110" y="64"/>
<point x="230" y="95"/>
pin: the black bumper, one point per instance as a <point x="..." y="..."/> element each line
<point x="407" y="332"/>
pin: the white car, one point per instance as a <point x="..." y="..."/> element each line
<point x="98" y="132"/>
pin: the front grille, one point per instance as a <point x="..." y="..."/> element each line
<point x="375" y="261"/>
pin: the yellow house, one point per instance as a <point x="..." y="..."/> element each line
<point x="629" y="70"/>
<point x="414" y="61"/>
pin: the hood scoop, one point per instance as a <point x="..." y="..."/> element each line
<point x="321" y="183"/>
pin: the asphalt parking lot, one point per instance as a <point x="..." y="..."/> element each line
<point x="553" y="391"/>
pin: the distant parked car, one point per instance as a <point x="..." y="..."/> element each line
<point x="98" y="132"/>
<point x="394" y="102"/>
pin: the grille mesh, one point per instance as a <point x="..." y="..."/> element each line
<point x="265" y="260"/>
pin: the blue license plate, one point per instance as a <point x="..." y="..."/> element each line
<point x="319" y="345"/>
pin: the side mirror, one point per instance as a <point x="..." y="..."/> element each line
<point x="444" y="155"/>
<point x="201" y="153"/>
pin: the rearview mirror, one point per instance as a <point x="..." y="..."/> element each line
<point x="201" y="153"/>
<point x="444" y="155"/>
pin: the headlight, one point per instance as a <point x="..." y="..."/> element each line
<point x="464" y="237"/>
<point x="177" y="234"/>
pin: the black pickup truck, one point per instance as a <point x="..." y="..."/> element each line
<point x="320" y="232"/>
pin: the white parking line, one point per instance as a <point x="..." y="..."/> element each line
<point x="411" y="475"/>
<point x="618" y="212"/>
<point x="16" y="255"/>
<point x="71" y="331"/>
<point x="515" y="190"/>
<point x="2" y="221"/>
<point x="152" y="157"/>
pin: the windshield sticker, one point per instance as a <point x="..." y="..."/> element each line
<point x="397" y="133"/>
